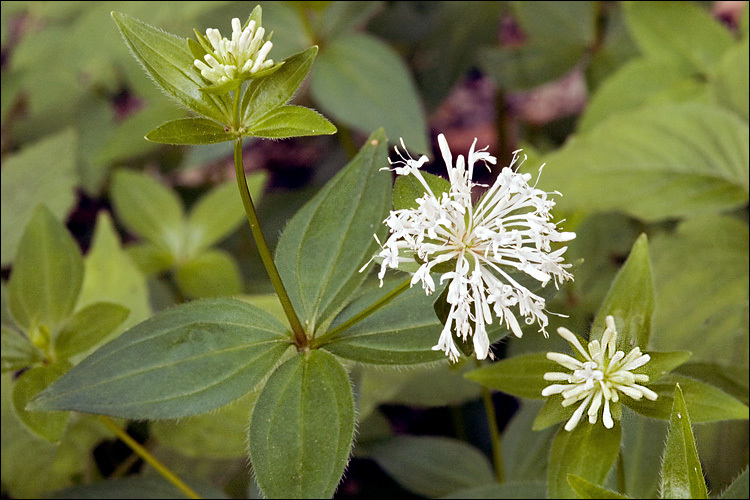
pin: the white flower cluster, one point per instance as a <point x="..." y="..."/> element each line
<point x="603" y="375"/>
<point x="243" y="55"/>
<point x="509" y="230"/>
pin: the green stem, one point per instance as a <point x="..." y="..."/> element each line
<point x="265" y="254"/>
<point x="362" y="314"/>
<point x="497" y="451"/>
<point x="148" y="457"/>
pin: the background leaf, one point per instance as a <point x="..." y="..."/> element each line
<point x="521" y="375"/>
<point x="681" y="473"/>
<point x="348" y="85"/>
<point x="213" y="273"/>
<point x="189" y="131"/>
<point x="182" y="361"/>
<point x="41" y="173"/>
<point x="47" y="274"/>
<point x="88" y="327"/>
<point x="47" y="425"/>
<point x="433" y="466"/>
<point x="302" y="428"/>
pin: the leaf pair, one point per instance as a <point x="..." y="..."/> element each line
<point x="42" y="295"/>
<point x="179" y="242"/>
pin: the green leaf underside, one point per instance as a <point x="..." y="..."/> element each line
<point x="588" y="451"/>
<point x="291" y="121"/>
<point x="521" y="376"/>
<point x="325" y="244"/>
<point x="681" y="473"/>
<point x="187" y="360"/>
<point x="302" y="427"/>
<point x="402" y="332"/>
<point x="587" y="489"/>
<point x="190" y="131"/>
<point x="655" y="163"/>
<point x="268" y="93"/>
<point x="630" y="301"/>
<point x="433" y="466"/>
<point x="167" y="59"/>
<point x="705" y="402"/>
<point x="47" y="274"/>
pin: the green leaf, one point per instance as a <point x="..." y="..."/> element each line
<point x="510" y="489"/>
<point x="88" y="327"/>
<point x="150" y="258"/>
<point x="705" y="402"/>
<point x="640" y="456"/>
<point x="47" y="273"/>
<point x="552" y="412"/>
<point x="432" y="466"/>
<point x="134" y="488"/>
<point x="681" y="473"/>
<point x="42" y="173"/>
<point x="521" y="376"/>
<point x="732" y="379"/>
<point x="17" y="350"/>
<point x="219" y="213"/>
<point x="47" y="425"/>
<point x="213" y="273"/>
<point x="291" y="121"/>
<point x="659" y="82"/>
<point x="587" y="489"/>
<point x="730" y="80"/>
<point x="661" y="363"/>
<point x="302" y="428"/>
<point x="588" y="451"/>
<point x="190" y="131"/>
<point x="112" y="276"/>
<point x="407" y="189"/>
<point x="630" y="301"/>
<point x="349" y="85"/>
<point x="325" y="244"/>
<point x="167" y="59"/>
<point x="677" y="31"/>
<point x="739" y="488"/>
<point x="220" y="434"/>
<point x="149" y="209"/>
<point x="183" y="361"/>
<point x="701" y="278"/>
<point x="266" y="94"/>
<point x="655" y="163"/>
<point x="401" y="333"/>
<point x="557" y="37"/>
<point x="526" y="451"/>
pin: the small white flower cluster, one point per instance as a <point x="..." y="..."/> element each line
<point x="603" y="375"/>
<point x="508" y="230"/>
<point x="243" y="55"/>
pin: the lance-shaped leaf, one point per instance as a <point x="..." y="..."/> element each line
<point x="291" y="121"/>
<point x="302" y="428"/>
<point x="681" y="473"/>
<point x="167" y="59"/>
<point x="190" y="131"/>
<point x="433" y="466"/>
<point x="326" y="243"/>
<point x="47" y="425"/>
<point x="705" y="402"/>
<point x="739" y="487"/>
<point x="183" y="361"/>
<point x="47" y="274"/>
<point x="588" y="451"/>
<point x="402" y="332"/>
<point x="630" y="301"/>
<point x="267" y="93"/>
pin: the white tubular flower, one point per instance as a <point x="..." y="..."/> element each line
<point x="509" y="230"/>
<point x="243" y="55"/>
<point x="600" y="378"/>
